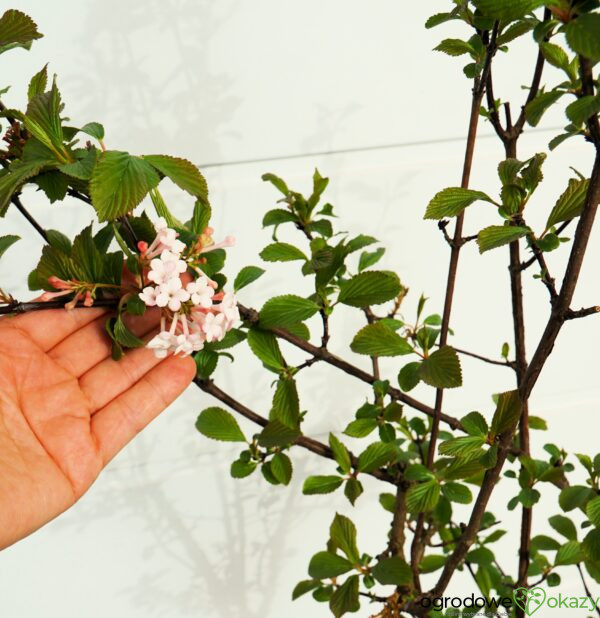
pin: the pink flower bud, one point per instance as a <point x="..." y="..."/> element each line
<point x="89" y="300"/>
<point x="142" y="246"/>
<point x="59" y="284"/>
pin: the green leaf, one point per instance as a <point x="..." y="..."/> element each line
<point x="281" y="252"/>
<point x="367" y="260"/>
<point x="284" y="311"/>
<point x="583" y="35"/>
<point x="378" y="340"/>
<point x="342" y="533"/>
<point x="277" y="182"/>
<point x="200" y="217"/>
<point x="437" y="19"/>
<point x="455" y="492"/>
<point x="514" y="31"/>
<point x="463" y="446"/>
<point x="418" y="472"/>
<point x="593" y="511"/>
<point x="475" y="424"/>
<point x="124" y="336"/>
<point x="38" y="83"/>
<point x="303" y="587"/>
<point x="278" y="216"/>
<point x="218" y="424"/>
<point x="507" y="10"/>
<point x="535" y="109"/>
<point x="6" y="242"/>
<point x="345" y="598"/>
<point x="455" y="47"/>
<point x="321" y="484"/>
<point x="409" y="376"/>
<point x="53" y="184"/>
<point x="499" y="235"/>
<point x="570" y="203"/>
<point x="206" y="363"/>
<point x="442" y="369"/>
<point x="353" y="489"/>
<point x="507" y="414"/>
<point x="361" y="427"/>
<point x="340" y="453"/>
<point x="265" y="347"/>
<point x="452" y="201"/>
<point x="286" y="406"/>
<point x="376" y="455"/>
<point x="232" y="338"/>
<point x="246" y="276"/>
<point x="574" y="497"/>
<point x="370" y="288"/>
<point x="423" y="497"/>
<point x="325" y="565"/>
<point x="43" y="120"/>
<point x="182" y="172"/>
<point x="555" y="55"/>
<point x="581" y="109"/>
<point x="277" y="434"/>
<point x="393" y="571"/>
<point x="541" y="542"/>
<point x="16" y="28"/>
<point x="95" y="129"/>
<point x="241" y="469"/>
<point x="591" y="545"/>
<point x="281" y="467"/>
<point x="83" y="167"/>
<point x="119" y="183"/>
<point x="12" y="181"/>
<point x="432" y="563"/>
<point x="569" y="553"/>
<point x="359" y="242"/>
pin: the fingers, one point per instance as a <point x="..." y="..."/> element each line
<point x="109" y="378"/>
<point x="47" y="328"/>
<point x="124" y="417"/>
<point x="90" y="345"/>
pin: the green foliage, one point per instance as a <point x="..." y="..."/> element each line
<point x="507" y="10"/>
<point x="570" y="204"/>
<point x="378" y="340"/>
<point x="17" y="30"/>
<point x="246" y="276"/>
<point x="324" y="565"/>
<point x="535" y="109"/>
<point x="583" y="35"/>
<point x="370" y="288"/>
<point x="284" y="311"/>
<point x="281" y="252"/>
<point x="442" y="369"/>
<point x="507" y="414"/>
<point x="393" y="571"/>
<point x="452" y="201"/>
<point x="265" y="347"/>
<point x="6" y="242"/>
<point x="321" y="484"/>
<point x="219" y="424"/>
<point x="499" y="235"/>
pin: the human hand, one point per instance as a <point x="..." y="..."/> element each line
<point x="67" y="408"/>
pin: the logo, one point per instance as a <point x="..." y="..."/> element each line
<point x="529" y="599"/>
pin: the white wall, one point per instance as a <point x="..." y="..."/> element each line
<point x="165" y="531"/>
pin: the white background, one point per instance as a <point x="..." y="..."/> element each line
<point x="165" y="531"/>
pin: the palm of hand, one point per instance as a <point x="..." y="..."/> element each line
<point x="66" y="409"/>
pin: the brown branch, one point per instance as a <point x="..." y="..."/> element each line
<point x="573" y="314"/>
<point x="16" y="307"/>
<point x="251" y="317"/>
<point x="532" y="260"/>
<point x="485" y="359"/>
<point x="585" y="586"/>
<point x="208" y="386"/>
<point x="38" y="228"/>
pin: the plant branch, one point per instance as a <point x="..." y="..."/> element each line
<point x="485" y="359"/>
<point x="585" y="586"/>
<point x="208" y="386"/>
<point x="251" y="317"/>
<point x="38" y="228"/>
<point x="573" y="314"/>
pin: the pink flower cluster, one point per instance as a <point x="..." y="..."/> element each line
<point x="197" y="313"/>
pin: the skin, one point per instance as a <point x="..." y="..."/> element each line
<point x="66" y="408"/>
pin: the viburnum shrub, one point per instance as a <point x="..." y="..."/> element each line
<point x="426" y="459"/>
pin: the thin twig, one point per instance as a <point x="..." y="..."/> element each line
<point x="573" y="314"/>
<point x="485" y="359"/>
<point x="585" y="586"/>
<point x="208" y="386"/>
<point x="38" y="228"/>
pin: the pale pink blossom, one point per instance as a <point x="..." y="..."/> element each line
<point x="213" y="326"/>
<point x="171" y="294"/>
<point x="201" y="292"/>
<point x="148" y="295"/>
<point x="228" y="307"/>
<point x="161" y="343"/>
<point x="166" y="267"/>
<point x="228" y="242"/>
